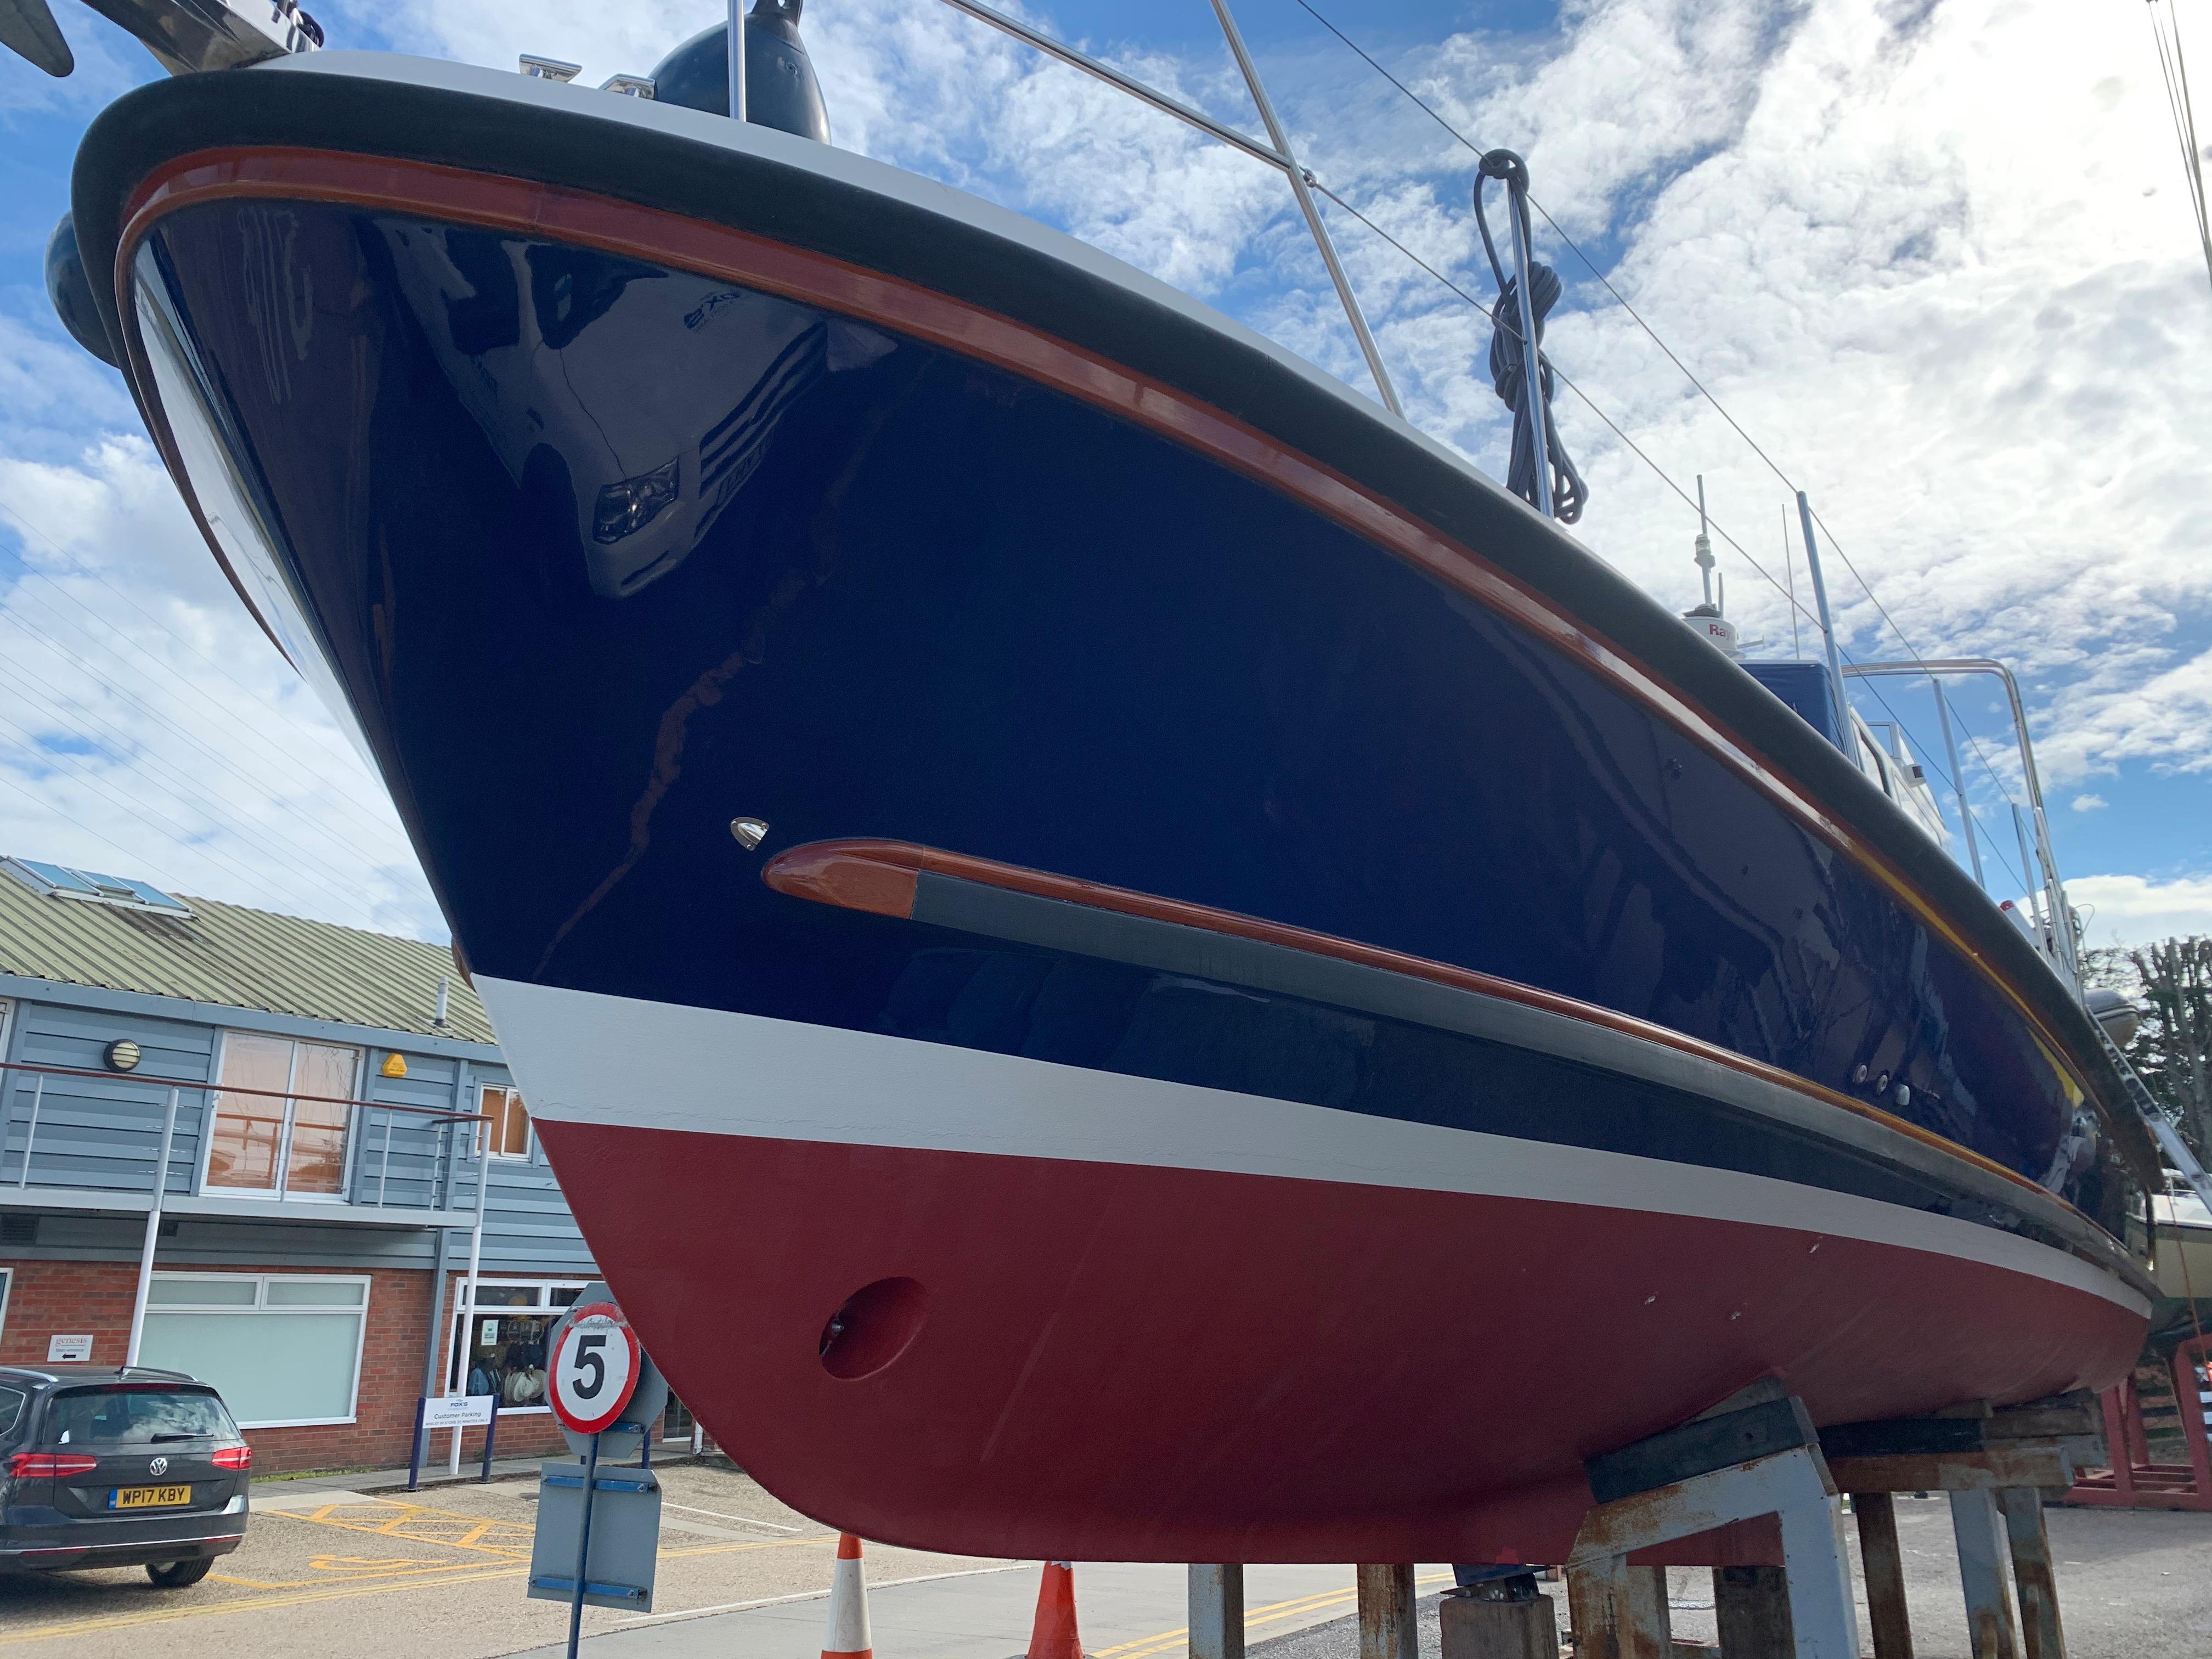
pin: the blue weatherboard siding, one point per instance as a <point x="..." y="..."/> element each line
<point x="97" y="1139"/>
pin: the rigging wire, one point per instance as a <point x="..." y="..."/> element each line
<point x="1789" y="593"/>
<point x="2177" y="77"/>
<point x="2173" y="69"/>
<point x="46" y="805"/>
<point x="274" y="794"/>
<point x="184" y="790"/>
<point x="1589" y="403"/>
<point x="337" y="780"/>
<point x="1703" y="391"/>
<point x="181" y="833"/>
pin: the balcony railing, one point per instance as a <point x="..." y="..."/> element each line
<point x="54" y="1139"/>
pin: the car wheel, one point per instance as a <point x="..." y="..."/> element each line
<point x="175" y="1575"/>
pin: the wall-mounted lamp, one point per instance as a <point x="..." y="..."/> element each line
<point x="122" y="1056"/>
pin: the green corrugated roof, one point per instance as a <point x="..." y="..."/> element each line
<point x="236" y="957"/>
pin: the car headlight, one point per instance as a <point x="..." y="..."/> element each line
<point x="627" y="508"/>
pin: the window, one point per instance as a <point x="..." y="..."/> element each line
<point x="506" y="1131"/>
<point x="499" y="1346"/>
<point x="288" y="1138"/>
<point x="134" y="1416"/>
<point x="283" y="1350"/>
<point x="90" y="887"/>
<point x="7" y="1284"/>
<point x="12" y="1402"/>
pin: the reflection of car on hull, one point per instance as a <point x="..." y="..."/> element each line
<point x="494" y="309"/>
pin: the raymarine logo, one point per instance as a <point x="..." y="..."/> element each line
<point x="159" y="1466"/>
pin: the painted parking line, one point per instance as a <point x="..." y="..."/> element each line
<point x="1273" y="1613"/>
<point x="414" y="1523"/>
<point x="812" y="1595"/>
<point x="345" y="1593"/>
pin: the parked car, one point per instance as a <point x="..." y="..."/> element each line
<point x="109" y="1467"/>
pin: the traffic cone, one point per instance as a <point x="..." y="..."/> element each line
<point x="847" y="1635"/>
<point x="1053" y="1635"/>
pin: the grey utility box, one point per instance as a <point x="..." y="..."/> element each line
<point x="625" y="1536"/>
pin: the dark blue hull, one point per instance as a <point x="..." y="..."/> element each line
<point x="954" y="609"/>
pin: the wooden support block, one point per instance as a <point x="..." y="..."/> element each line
<point x="2037" y="1584"/>
<point x="1217" y="1612"/>
<point x="2066" y="1417"/>
<point x="1989" y="1630"/>
<point x="1386" y="1629"/>
<point x="1903" y="1437"/>
<point x="1885" y="1574"/>
<point x="2010" y="1463"/>
<point x="1752" y="1607"/>
<point x="1703" y="1446"/>
<point x="1498" y="1629"/>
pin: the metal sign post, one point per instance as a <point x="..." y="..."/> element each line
<point x="584" y="1532"/>
<point x="599" y="1383"/>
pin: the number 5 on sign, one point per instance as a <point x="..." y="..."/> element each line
<point x="595" y="1368"/>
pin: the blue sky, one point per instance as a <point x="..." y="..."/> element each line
<point x="1841" y="214"/>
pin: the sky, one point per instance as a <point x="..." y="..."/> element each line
<point x="1933" y="258"/>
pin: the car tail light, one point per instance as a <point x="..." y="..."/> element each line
<point x="47" y="1466"/>
<point x="234" y="1457"/>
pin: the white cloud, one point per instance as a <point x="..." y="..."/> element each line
<point x="2089" y="803"/>
<point x="2135" y="911"/>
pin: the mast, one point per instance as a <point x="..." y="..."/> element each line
<point x="1705" y="543"/>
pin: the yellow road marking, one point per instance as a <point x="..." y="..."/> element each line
<point x="349" y="1592"/>
<point x="1272" y="1613"/>
<point x="419" y="1524"/>
<point x="349" y="1568"/>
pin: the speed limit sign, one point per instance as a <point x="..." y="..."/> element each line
<point x="595" y="1366"/>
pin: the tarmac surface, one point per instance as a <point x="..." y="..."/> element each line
<point x="342" y="1572"/>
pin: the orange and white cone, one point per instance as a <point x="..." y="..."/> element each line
<point x="1053" y="1635"/>
<point x="847" y="1637"/>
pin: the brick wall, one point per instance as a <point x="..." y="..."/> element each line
<point x="49" y="1298"/>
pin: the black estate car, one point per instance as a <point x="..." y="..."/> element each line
<point x="102" y="1467"/>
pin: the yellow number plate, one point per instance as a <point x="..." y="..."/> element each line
<point x="148" y="1497"/>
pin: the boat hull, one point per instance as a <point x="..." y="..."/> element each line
<point x="1136" y="1320"/>
<point x="1407" y="1015"/>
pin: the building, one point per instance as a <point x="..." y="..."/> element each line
<point x="341" y="1132"/>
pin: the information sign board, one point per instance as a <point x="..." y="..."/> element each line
<point x="457" y="1411"/>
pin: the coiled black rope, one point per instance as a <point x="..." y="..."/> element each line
<point x="1509" y="375"/>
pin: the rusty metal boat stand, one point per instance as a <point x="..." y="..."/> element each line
<point x="1747" y="1461"/>
<point x="1995" y="1467"/>
<point x="1752" y="1485"/>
